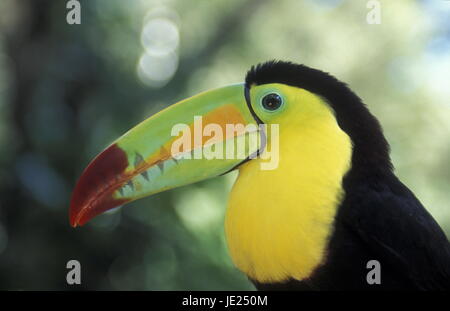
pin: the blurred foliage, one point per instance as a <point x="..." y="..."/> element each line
<point x="67" y="91"/>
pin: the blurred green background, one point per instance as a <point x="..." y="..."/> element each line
<point x="67" y="91"/>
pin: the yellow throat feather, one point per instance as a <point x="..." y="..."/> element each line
<point x="279" y="221"/>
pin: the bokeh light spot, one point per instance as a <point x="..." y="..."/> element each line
<point x="160" y="36"/>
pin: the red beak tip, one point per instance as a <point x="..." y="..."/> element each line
<point x="73" y="220"/>
<point x="90" y="198"/>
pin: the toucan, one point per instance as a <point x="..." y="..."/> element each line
<point x="327" y="211"/>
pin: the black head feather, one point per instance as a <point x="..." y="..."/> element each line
<point x="370" y="148"/>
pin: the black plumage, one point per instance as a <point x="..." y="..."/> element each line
<point x="379" y="217"/>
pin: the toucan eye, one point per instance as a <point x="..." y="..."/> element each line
<point x="271" y="101"/>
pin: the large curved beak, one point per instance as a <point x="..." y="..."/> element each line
<point x="198" y="138"/>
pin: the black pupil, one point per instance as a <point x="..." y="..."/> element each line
<point x="271" y="101"/>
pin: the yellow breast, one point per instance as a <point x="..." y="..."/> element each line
<point x="278" y="221"/>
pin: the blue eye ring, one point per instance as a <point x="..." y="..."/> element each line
<point x="271" y="102"/>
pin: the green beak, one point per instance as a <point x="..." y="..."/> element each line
<point x="198" y="138"/>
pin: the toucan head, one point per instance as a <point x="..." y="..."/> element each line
<point x="214" y="132"/>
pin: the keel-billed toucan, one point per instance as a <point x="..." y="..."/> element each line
<point x="313" y="221"/>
